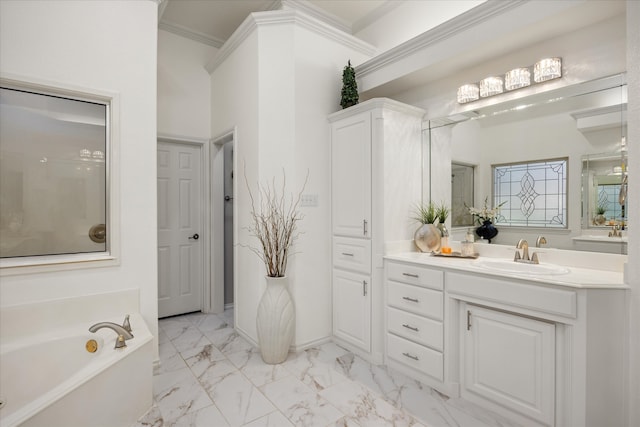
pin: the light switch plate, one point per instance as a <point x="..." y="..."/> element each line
<point x="309" y="200"/>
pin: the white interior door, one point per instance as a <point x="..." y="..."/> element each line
<point x="180" y="261"/>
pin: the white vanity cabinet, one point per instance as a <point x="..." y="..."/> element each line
<point x="540" y="351"/>
<point x="376" y="175"/>
<point x="414" y="321"/>
<point x="509" y="359"/>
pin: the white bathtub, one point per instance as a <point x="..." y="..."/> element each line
<point x="51" y="380"/>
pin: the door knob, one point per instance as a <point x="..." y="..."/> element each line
<point x="195" y="236"/>
<point x="227" y="198"/>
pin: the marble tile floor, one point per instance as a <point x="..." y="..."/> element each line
<point x="209" y="376"/>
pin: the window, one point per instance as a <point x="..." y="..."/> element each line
<point x="54" y="175"/>
<point x="534" y="193"/>
<point x="608" y="199"/>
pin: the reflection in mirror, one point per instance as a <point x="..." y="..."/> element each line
<point x="53" y="151"/>
<point x="569" y="122"/>
<point x="461" y="194"/>
<point x="604" y="196"/>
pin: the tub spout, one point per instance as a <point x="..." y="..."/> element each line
<point x="123" y="334"/>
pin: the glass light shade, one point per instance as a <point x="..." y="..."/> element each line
<point x="468" y="93"/>
<point x="547" y="69"/>
<point x="490" y="86"/>
<point x="85" y="154"/>
<point x="517" y="78"/>
<point x="98" y="155"/>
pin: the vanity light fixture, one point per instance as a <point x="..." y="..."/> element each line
<point x="543" y="70"/>
<point x="467" y="93"/>
<point x="517" y="78"/>
<point x="85" y="154"/>
<point x="490" y="86"/>
<point x="547" y="69"/>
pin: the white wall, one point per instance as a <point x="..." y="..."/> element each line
<point x="633" y="267"/>
<point x="184" y="93"/>
<point x="409" y="19"/>
<point x="108" y="46"/>
<point x="277" y="88"/>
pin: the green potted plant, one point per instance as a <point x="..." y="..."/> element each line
<point x="427" y="237"/>
<point x="600" y="219"/>
<point x="349" y="87"/>
<point x="442" y="213"/>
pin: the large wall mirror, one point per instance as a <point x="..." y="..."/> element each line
<point x="583" y="125"/>
<point x="54" y="156"/>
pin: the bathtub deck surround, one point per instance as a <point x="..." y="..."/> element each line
<point x="52" y="374"/>
<point x="210" y="376"/>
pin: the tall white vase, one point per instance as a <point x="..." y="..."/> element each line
<point x="275" y="321"/>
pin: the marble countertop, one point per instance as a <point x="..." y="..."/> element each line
<point x="577" y="276"/>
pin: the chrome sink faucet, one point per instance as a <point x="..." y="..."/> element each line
<point x="524" y="245"/>
<point x="123" y="334"/>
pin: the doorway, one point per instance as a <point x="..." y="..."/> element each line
<point x="223" y="238"/>
<point x="181" y="245"/>
<point x="228" y="224"/>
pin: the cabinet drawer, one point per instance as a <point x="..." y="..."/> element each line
<point x="352" y="254"/>
<point x="421" y="358"/>
<point x="562" y="302"/>
<point x="415" y="275"/>
<point x="416" y="328"/>
<point x="417" y="300"/>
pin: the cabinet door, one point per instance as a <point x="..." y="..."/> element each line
<point x="352" y="308"/>
<point x="351" y="176"/>
<point x="510" y="360"/>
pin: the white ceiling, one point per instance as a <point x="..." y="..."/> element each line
<point x="214" y="21"/>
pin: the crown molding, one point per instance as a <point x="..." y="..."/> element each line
<point x="448" y="29"/>
<point x="314" y="11"/>
<point x="287" y="16"/>
<point x="382" y="103"/>
<point x="374" y="15"/>
<point x="190" y="34"/>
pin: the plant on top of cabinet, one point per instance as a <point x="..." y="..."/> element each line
<point x="349" y="87"/>
<point x="274" y="221"/>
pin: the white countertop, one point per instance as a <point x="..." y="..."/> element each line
<point x="577" y="277"/>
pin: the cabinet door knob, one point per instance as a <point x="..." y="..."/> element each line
<point x="413" y="328"/>
<point x="364" y="288"/>
<point x="347" y="254"/>
<point x="411" y="299"/>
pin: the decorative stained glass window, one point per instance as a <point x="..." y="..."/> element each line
<point x="608" y="198"/>
<point x="535" y="193"/>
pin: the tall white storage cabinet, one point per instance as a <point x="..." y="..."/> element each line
<point x="376" y="182"/>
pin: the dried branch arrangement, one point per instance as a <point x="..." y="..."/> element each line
<point x="274" y="220"/>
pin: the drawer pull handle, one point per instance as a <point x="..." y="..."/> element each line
<point x="346" y="254"/>
<point x="410" y="356"/>
<point x="413" y="328"/>
<point x="411" y="299"/>
<point x="415" y="276"/>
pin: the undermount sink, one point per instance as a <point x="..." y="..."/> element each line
<point x="512" y="267"/>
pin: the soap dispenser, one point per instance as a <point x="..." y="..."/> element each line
<point x="469" y="237"/>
